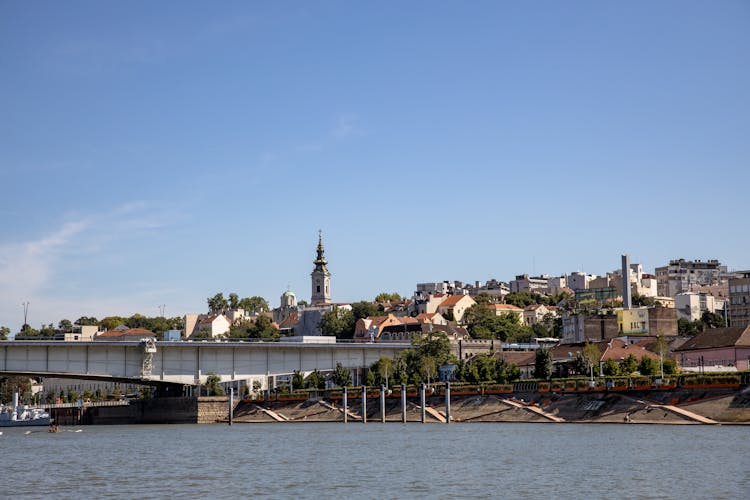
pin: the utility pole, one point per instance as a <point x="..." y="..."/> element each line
<point x="25" y="311"/>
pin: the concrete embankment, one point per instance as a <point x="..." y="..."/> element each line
<point x="656" y="407"/>
<point x="707" y="406"/>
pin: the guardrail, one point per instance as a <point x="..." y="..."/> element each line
<point x="567" y="385"/>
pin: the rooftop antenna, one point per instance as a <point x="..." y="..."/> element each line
<point x="25" y="311"/>
<point x="161" y="309"/>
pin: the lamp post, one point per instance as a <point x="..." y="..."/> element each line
<point x="25" y="311"/>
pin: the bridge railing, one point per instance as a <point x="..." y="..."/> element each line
<point x="88" y="404"/>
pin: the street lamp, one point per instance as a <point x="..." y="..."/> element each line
<point x="25" y="311"/>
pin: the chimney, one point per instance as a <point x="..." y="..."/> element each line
<point x="626" y="282"/>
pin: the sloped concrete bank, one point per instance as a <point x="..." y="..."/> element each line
<point x="686" y="407"/>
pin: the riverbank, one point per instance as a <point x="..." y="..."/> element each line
<point x="679" y="407"/>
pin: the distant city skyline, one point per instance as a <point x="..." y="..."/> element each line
<point x="156" y="154"/>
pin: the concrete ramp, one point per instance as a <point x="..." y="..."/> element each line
<point x="437" y="415"/>
<point x="689" y="414"/>
<point x="534" y="409"/>
<point x="276" y="416"/>
<point x="349" y="412"/>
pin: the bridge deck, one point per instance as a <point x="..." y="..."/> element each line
<point x="185" y="362"/>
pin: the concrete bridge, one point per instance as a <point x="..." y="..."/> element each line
<point x="183" y="363"/>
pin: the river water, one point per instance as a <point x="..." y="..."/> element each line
<point x="330" y="460"/>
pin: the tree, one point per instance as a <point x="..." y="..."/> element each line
<point x="87" y="321"/>
<point x="338" y="322"/>
<point x="483" y="299"/>
<point x="369" y="377"/>
<point x="482" y="323"/>
<point x="213" y="386"/>
<point x="482" y="368"/>
<point x="523" y="299"/>
<point x="428" y="369"/>
<point x="543" y="363"/>
<point x="65" y="325"/>
<point x="507" y="372"/>
<point x="383" y="369"/>
<point x="263" y="328"/>
<point x="315" y="380"/>
<point x="661" y="348"/>
<point x="364" y="309"/>
<point x="591" y="355"/>
<point x="111" y="322"/>
<point x="11" y="384"/>
<point x="712" y="320"/>
<point x="436" y="345"/>
<point x="4" y="332"/>
<point x="647" y="366"/>
<point x="689" y="328"/>
<point x="234" y="301"/>
<point x="341" y="376"/>
<point x="670" y="367"/>
<point x="255" y="304"/>
<point x="27" y="331"/>
<point x="217" y="303"/>
<point x="629" y="365"/>
<point x="642" y="301"/>
<point x="387" y="297"/>
<point x="400" y="372"/>
<point x="298" y="381"/>
<point x="611" y="368"/>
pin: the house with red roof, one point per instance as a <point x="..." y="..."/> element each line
<point x="455" y="305"/>
<point x="500" y="309"/>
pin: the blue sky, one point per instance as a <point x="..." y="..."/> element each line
<point x="159" y="152"/>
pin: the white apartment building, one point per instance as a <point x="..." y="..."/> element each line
<point x="692" y="305"/>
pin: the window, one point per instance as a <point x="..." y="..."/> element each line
<point x="318" y="289"/>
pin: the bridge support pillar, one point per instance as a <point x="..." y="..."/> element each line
<point x="447" y="402"/>
<point x="422" y="402"/>
<point x="364" y="404"/>
<point x="346" y="406"/>
<point x="403" y="403"/>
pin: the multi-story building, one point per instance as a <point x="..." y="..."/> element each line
<point x="526" y="283"/>
<point x="683" y="275"/>
<point x="739" y="300"/>
<point x="556" y="284"/>
<point x="578" y="280"/>
<point x="692" y="305"/>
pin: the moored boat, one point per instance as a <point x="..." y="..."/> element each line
<point x="21" y="416"/>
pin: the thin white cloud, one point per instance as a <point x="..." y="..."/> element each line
<point x="29" y="269"/>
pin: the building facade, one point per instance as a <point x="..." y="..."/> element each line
<point x="739" y="300"/>
<point x="684" y="275"/>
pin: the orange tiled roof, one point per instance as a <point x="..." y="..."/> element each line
<point x="452" y="300"/>
<point x="132" y="332"/>
<point x="504" y="307"/>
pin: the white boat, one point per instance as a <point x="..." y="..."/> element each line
<point x="21" y="416"/>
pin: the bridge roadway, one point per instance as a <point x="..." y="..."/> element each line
<point x="185" y="363"/>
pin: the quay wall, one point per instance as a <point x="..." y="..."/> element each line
<point x="195" y="410"/>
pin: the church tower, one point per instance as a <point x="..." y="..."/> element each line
<point x="321" y="278"/>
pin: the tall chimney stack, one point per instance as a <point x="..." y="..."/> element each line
<point x="626" y="303"/>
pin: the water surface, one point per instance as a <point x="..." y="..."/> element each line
<point x="324" y="460"/>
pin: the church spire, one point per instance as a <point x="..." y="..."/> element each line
<point x="321" y="277"/>
<point x="321" y="262"/>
